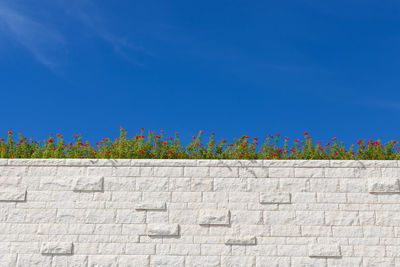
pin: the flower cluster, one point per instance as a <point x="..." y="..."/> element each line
<point x="152" y="146"/>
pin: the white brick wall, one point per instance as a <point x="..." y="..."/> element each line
<point x="72" y="212"/>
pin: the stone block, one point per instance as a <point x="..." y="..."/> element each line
<point x="214" y="217"/>
<point x="8" y="260"/>
<point x="155" y="184"/>
<point x="383" y="185"/>
<point x="238" y="261"/>
<point x="224" y="172"/>
<point x="137" y="261"/>
<point x="264" y="261"/>
<point x="324" y="250"/>
<point x="12" y="195"/>
<point x="102" y="261"/>
<point x="168" y="171"/>
<point x="164" y="261"/>
<point x="196" y="172"/>
<point x="162" y="229"/>
<point x="69" y="260"/>
<point x="56" y="248"/>
<point x="342" y="218"/>
<point x="140" y="249"/>
<point x="240" y="240"/>
<point x="202" y="261"/>
<point x="151" y="206"/>
<point x="275" y="198"/>
<point x="89" y="183"/>
<point x="25" y="260"/>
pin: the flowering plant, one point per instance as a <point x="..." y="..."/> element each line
<point x="155" y="146"/>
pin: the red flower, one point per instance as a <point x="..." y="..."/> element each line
<point x="50" y="140"/>
<point x="305" y="133"/>
<point x="334" y="138"/>
<point x="287" y="138"/>
<point x="212" y="133"/>
<point x="9" y="132"/>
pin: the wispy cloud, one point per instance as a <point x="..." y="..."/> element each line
<point x="89" y="16"/>
<point x="48" y="42"/>
<point x="355" y="98"/>
<point x="380" y="104"/>
<point x="40" y="39"/>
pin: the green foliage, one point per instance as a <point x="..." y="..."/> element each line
<point x="155" y="146"/>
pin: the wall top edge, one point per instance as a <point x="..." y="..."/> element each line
<point x="201" y="163"/>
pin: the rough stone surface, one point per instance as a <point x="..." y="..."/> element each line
<point x="275" y="198"/>
<point x="384" y="185"/>
<point x="162" y="229"/>
<point x="214" y="217"/>
<point x="73" y="212"/>
<point x="324" y="250"/>
<point x="151" y="206"/>
<point x="12" y="194"/>
<point x="240" y="240"/>
<point x="87" y="184"/>
<point x="56" y="248"/>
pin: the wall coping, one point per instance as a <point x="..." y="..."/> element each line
<point x="201" y="163"/>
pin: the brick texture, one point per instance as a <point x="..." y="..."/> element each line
<point x="78" y="212"/>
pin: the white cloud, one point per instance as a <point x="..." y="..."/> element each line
<point x="35" y="28"/>
<point x="41" y="40"/>
<point x="89" y="16"/>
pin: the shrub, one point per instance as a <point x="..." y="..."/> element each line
<point x="155" y="146"/>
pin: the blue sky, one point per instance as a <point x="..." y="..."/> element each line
<point x="232" y="67"/>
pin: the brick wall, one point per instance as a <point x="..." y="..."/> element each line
<point x="72" y="212"/>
